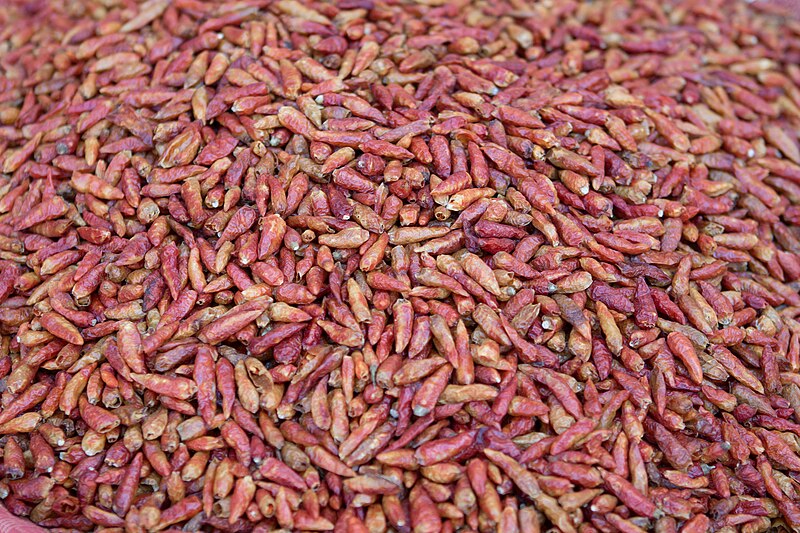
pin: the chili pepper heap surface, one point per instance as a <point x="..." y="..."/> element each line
<point x="377" y="266"/>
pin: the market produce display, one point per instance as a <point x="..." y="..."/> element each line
<point x="376" y="265"/>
